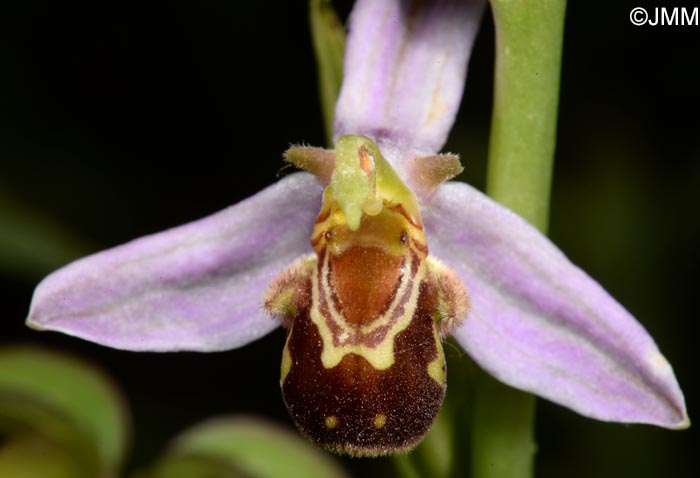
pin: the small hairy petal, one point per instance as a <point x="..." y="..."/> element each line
<point x="194" y="287"/>
<point x="539" y="323"/>
<point x="404" y="73"/>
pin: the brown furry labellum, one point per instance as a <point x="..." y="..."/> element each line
<point x="363" y="370"/>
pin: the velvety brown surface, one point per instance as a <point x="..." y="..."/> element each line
<point x="355" y="393"/>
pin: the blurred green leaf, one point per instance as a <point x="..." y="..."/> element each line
<point x="33" y="456"/>
<point x="328" y="37"/>
<point x="193" y="467"/>
<point x="23" y="415"/>
<point x="404" y="466"/>
<point x="230" y="447"/>
<point x="32" y="244"/>
<point x="65" y="400"/>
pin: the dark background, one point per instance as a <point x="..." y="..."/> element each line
<point x="118" y="119"/>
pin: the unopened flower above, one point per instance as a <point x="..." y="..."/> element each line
<point x="392" y="263"/>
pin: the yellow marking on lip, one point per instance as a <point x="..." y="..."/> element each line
<point x="397" y="225"/>
<point x="379" y="420"/>
<point x="331" y="422"/>
<point x="366" y="203"/>
<point x="380" y="357"/>
<point x="381" y="227"/>
<point x="286" y="359"/>
<point x="436" y="368"/>
<point x="385" y="318"/>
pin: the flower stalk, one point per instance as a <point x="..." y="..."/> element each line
<point x="529" y="38"/>
<point x="328" y="36"/>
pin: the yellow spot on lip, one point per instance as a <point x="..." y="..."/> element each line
<point x="331" y="421"/>
<point x="379" y="420"/>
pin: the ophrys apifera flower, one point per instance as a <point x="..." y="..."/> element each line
<point x="396" y="258"/>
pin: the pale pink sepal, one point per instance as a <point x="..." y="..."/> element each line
<point x="195" y="287"/>
<point x="541" y="324"/>
<point x="404" y="73"/>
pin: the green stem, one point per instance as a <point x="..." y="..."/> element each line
<point x="523" y="130"/>
<point x="529" y="38"/>
<point x="328" y="37"/>
<point x="503" y="444"/>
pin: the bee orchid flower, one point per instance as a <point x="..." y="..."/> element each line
<point x="397" y="258"/>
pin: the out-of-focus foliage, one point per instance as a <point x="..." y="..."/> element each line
<point x="31" y="455"/>
<point x="328" y="35"/>
<point x="31" y="243"/>
<point x="242" y="446"/>
<point x="57" y="406"/>
<point x="61" y="418"/>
